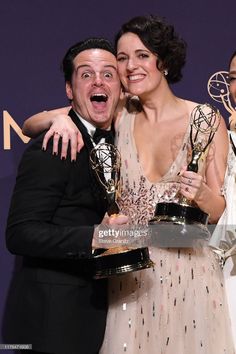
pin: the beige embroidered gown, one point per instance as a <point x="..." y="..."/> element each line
<point x="179" y="306"/>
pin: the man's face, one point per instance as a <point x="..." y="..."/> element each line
<point x="95" y="86"/>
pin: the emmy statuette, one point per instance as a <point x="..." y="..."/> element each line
<point x="204" y="122"/>
<point x="105" y="161"/>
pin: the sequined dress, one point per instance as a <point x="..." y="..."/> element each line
<point x="179" y="306"/>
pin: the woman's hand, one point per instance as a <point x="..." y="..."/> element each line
<point x="63" y="128"/>
<point x="191" y="184"/>
<point x="60" y="125"/>
<point x="206" y="191"/>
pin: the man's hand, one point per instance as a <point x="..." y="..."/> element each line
<point x="108" y="233"/>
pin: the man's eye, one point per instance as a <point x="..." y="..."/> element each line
<point x="108" y="75"/>
<point x="86" y="75"/>
<point x="231" y="78"/>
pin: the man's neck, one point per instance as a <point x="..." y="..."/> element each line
<point x="90" y="126"/>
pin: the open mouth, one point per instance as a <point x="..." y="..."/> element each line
<point x="99" y="97"/>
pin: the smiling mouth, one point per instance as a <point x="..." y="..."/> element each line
<point x="99" y="97"/>
<point x="135" y="77"/>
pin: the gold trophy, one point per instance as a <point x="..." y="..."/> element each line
<point x="106" y="161"/>
<point x="204" y="122"/>
<point x="218" y="89"/>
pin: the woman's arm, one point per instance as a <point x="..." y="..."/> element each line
<point x="206" y="192"/>
<point x="39" y="122"/>
<point x="61" y="127"/>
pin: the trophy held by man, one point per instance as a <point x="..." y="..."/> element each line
<point x="124" y="257"/>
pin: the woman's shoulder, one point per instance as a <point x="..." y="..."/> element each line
<point x="206" y="109"/>
<point x="191" y="105"/>
<point x="129" y="107"/>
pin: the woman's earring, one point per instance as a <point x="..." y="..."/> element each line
<point x="165" y="72"/>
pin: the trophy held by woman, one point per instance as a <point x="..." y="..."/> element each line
<point x="181" y="218"/>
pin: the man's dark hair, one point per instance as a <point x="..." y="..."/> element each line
<point x="232" y="57"/>
<point x="160" y="38"/>
<point x="90" y="43"/>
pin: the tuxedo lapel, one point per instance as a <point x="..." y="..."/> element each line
<point x="83" y="130"/>
<point x="97" y="189"/>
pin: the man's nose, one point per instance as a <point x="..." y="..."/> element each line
<point x="98" y="81"/>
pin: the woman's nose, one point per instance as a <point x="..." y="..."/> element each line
<point x="131" y="65"/>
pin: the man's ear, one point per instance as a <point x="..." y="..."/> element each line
<point x="69" y="92"/>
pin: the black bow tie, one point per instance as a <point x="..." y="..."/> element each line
<point x="102" y="133"/>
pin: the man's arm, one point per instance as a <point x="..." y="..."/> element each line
<point x="41" y="181"/>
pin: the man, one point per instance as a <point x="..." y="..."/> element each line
<point x="56" y="305"/>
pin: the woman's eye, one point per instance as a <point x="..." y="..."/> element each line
<point x="143" y="55"/>
<point x="231" y="78"/>
<point x="123" y="58"/>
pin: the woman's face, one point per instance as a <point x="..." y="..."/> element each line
<point x="137" y="66"/>
<point x="232" y="76"/>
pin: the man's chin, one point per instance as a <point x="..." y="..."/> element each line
<point x="101" y="118"/>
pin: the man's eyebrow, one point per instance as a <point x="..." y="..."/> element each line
<point x="89" y="67"/>
<point x="110" y="66"/>
<point x="232" y="72"/>
<point x="82" y="66"/>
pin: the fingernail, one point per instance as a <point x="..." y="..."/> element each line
<point x="54" y="154"/>
<point x="43" y="148"/>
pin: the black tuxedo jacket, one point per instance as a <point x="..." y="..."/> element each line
<point x="56" y="305"/>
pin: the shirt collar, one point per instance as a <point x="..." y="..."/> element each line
<point x="89" y="126"/>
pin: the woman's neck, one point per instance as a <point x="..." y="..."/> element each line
<point x="157" y="107"/>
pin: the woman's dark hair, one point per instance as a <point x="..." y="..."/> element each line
<point x="232" y="56"/>
<point x="67" y="65"/>
<point x="161" y="39"/>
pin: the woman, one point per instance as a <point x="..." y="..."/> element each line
<point x="179" y="305"/>
<point x="224" y="236"/>
<point x="232" y="88"/>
